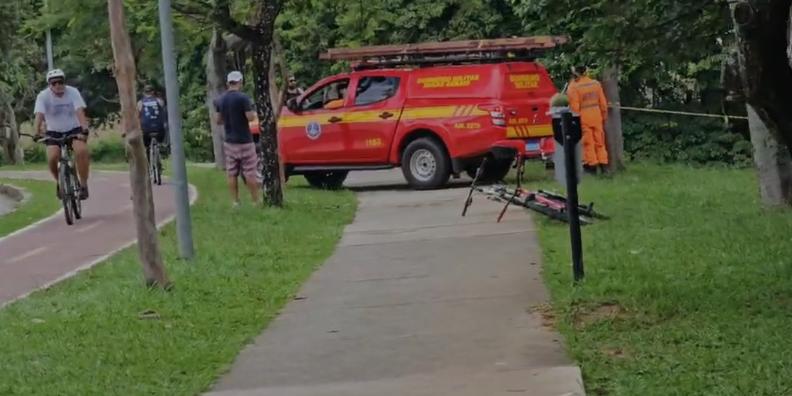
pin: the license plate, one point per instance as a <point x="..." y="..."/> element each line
<point x="532" y="146"/>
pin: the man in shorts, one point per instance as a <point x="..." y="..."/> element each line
<point x="235" y="112"/>
<point x="62" y="109"/>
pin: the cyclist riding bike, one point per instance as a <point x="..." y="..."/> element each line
<point x="151" y="110"/>
<point x="62" y="109"/>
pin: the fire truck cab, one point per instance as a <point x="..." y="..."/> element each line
<point x="435" y="110"/>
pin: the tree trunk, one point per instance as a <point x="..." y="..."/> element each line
<point x="773" y="161"/>
<point x="613" y="127"/>
<point x="142" y="198"/>
<point x="262" y="54"/>
<point x="13" y="152"/>
<point x="763" y="39"/>
<point x="215" y="85"/>
<point x="274" y="92"/>
<point x="280" y="62"/>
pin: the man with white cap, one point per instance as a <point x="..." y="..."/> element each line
<point x="62" y="109"/>
<point x="235" y="112"/>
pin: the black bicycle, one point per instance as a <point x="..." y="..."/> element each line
<point x="155" y="162"/>
<point x="68" y="183"/>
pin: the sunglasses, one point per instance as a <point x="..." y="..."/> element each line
<point x="56" y="82"/>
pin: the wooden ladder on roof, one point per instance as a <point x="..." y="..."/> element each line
<point x="445" y="52"/>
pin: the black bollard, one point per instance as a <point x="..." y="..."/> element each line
<point x="570" y="142"/>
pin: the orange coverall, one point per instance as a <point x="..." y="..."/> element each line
<point x="587" y="99"/>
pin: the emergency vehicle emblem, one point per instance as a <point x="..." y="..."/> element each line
<point x="313" y="130"/>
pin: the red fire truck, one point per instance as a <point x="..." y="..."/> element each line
<point x="433" y="109"/>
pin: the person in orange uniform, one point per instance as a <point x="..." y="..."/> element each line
<point x="587" y="98"/>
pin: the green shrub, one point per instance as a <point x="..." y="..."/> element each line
<point x="35" y="153"/>
<point x="108" y="151"/>
<point x="687" y="140"/>
<point x="197" y="135"/>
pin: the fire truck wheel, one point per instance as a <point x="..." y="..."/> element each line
<point x="425" y="164"/>
<point x="494" y="170"/>
<point x="328" y="180"/>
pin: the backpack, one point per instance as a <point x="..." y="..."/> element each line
<point x="152" y="117"/>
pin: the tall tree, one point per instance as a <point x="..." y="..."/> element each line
<point x="764" y="49"/>
<point x="257" y="33"/>
<point x="142" y="198"/>
<point x="260" y="37"/>
<point x="215" y="85"/>
<point x="13" y="78"/>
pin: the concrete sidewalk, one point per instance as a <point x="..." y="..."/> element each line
<point x="415" y="301"/>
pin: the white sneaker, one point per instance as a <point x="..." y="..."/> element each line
<point x="235" y="205"/>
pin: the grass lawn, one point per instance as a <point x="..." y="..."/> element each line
<point x="86" y="336"/>
<point x="42" y="203"/>
<point x="688" y="288"/>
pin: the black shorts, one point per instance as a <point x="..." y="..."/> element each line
<point x="159" y="135"/>
<point x="60" y="135"/>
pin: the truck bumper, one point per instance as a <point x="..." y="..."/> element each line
<point x="532" y="148"/>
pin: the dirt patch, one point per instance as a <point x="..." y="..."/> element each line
<point x="549" y="318"/>
<point x="12" y="192"/>
<point x="586" y="316"/>
<point x="615" y="353"/>
<point x="10" y="198"/>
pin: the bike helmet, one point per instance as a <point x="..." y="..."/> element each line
<point x="55" y="73"/>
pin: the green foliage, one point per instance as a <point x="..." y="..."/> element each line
<point x="108" y="151"/>
<point x="674" y="139"/>
<point x="35" y="153"/>
<point x="197" y="135"/>
<point x="19" y="57"/>
<point x="310" y="27"/>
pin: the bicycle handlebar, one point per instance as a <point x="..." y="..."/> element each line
<point x="45" y="139"/>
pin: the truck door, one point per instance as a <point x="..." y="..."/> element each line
<point x="315" y="133"/>
<point x="373" y="116"/>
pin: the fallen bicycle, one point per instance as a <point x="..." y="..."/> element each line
<point x="547" y="203"/>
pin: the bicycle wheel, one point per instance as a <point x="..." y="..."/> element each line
<point x="152" y="159"/>
<point x="158" y="164"/>
<point x="67" y="191"/>
<point x="76" y="202"/>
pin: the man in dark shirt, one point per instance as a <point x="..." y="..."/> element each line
<point x="235" y="112"/>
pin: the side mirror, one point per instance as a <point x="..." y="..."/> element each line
<point x="292" y="105"/>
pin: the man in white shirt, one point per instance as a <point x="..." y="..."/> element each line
<point x="62" y="108"/>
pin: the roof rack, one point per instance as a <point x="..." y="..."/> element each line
<point x="447" y="52"/>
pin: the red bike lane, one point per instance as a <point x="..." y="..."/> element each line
<point x="49" y="251"/>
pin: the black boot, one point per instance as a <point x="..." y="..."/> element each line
<point x="589" y="169"/>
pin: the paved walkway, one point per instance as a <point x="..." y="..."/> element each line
<point x="416" y="301"/>
<point x="50" y="251"/>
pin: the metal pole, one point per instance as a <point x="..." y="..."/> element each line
<point x="570" y="152"/>
<point x="50" y="62"/>
<point x="183" y="222"/>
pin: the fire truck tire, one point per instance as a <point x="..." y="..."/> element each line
<point x="494" y="171"/>
<point x="425" y="164"/>
<point x="327" y="180"/>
